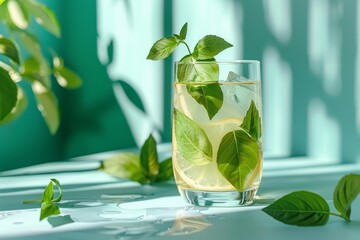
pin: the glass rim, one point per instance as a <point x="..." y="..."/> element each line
<point x="220" y="62"/>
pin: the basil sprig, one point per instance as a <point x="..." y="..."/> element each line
<point x="143" y="168"/>
<point x="303" y="208"/>
<point x="49" y="205"/>
<point x="209" y="96"/>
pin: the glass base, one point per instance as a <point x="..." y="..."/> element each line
<point x="219" y="199"/>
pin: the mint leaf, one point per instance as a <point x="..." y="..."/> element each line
<point x="183" y="32"/>
<point x="67" y="78"/>
<point x="8" y="94"/>
<point x="209" y="46"/>
<point x="124" y="165"/>
<point x="165" y="170"/>
<point x="44" y="16"/>
<point x="19" y="15"/>
<point x="189" y="70"/>
<point x="149" y="158"/>
<point x="192" y="142"/>
<point x="8" y="48"/>
<point x="48" y="194"/>
<point x="48" y="209"/>
<point x="18" y="109"/>
<point x="47" y="105"/>
<point x="252" y="122"/>
<point x="237" y="158"/>
<point x="208" y="95"/>
<point x="301" y="208"/>
<point x="345" y="193"/>
<point x="162" y="48"/>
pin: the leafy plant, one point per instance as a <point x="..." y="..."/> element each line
<point x="209" y="96"/>
<point x="143" y="168"/>
<point x="305" y="208"/>
<point x="32" y="65"/>
<point x="49" y="205"/>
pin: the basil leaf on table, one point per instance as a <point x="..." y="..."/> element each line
<point x="149" y="157"/>
<point x="345" y="192"/>
<point x="301" y="208"/>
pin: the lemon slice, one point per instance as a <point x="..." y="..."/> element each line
<point x="206" y="177"/>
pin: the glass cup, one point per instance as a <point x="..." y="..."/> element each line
<point x="217" y="131"/>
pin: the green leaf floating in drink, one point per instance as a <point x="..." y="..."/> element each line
<point x="237" y="157"/>
<point x="192" y="142"/>
<point x="205" y="50"/>
<point x="252" y="122"/>
<point x="301" y="208"/>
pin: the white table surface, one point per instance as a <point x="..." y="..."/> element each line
<point x="98" y="206"/>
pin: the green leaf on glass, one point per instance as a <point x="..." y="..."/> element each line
<point x="237" y="157"/>
<point x="162" y="48"/>
<point x="192" y="142"/>
<point x="252" y="122"/>
<point x="209" y="46"/>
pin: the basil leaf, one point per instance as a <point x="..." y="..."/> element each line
<point x="177" y="36"/>
<point x="345" y="193"/>
<point x="67" y="78"/>
<point x="183" y="32"/>
<point x="252" y="122"/>
<point x="208" y="95"/>
<point x="301" y="208"/>
<point x="48" y="194"/>
<point x="18" y="14"/>
<point x="1" y="1"/>
<point x="20" y="106"/>
<point x="57" y="183"/>
<point x="47" y="105"/>
<point x="8" y="94"/>
<point x="149" y="157"/>
<point x="237" y="157"/>
<point x="44" y="16"/>
<point x="162" y="48"/>
<point x="165" y="170"/>
<point x="124" y="165"/>
<point x="191" y="139"/>
<point x="190" y="71"/>
<point x="8" y="48"/>
<point x="209" y="46"/>
<point x="48" y="209"/>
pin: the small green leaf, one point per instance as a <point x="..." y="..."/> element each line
<point x="237" y="158"/>
<point x="19" y="108"/>
<point x="47" y="105"/>
<point x="18" y="14"/>
<point x="8" y="93"/>
<point x="191" y="139"/>
<point x="190" y="70"/>
<point x="162" y="48"/>
<point x="209" y="46"/>
<point x="183" y="32"/>
<point x="165" y="170"/>
<point x="301" y="208"/>
<point x="67" y="78"/>
<point x="252" y="122"/>
<point x="48" y="194"/>
<point x="44" y="16"/>
<point x="48" y="209"/>
<point x="177" y="36"/>
<point x="57" y="183"/>
<point x="208" y="95"/>
<point x="149" y="158"/>
<point x="124" y="165"/>
<point x="345" y="193"/>
<point x="8" y="48"/>
<point x="2" y="1"/>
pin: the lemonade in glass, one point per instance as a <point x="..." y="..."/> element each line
<point x="217" y="131"/>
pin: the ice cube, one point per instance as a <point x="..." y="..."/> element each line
<point x="234" y="77"/>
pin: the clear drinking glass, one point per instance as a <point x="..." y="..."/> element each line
<point x="217" y="134"/>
